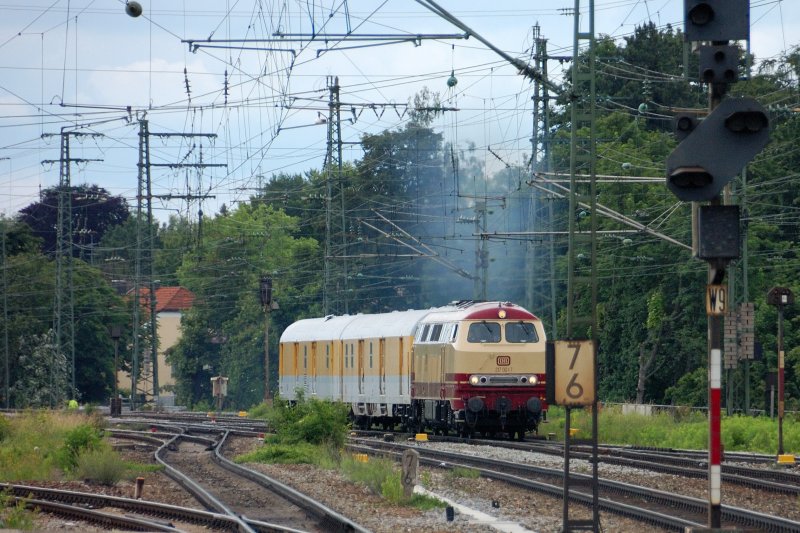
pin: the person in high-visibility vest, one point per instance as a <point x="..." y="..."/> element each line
<point x="72" y="405"/>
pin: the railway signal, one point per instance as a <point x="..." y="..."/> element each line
<point x="711" y="153"/>
<point x="714" y="152"/>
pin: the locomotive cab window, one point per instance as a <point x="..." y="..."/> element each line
<point x="481" y="332"/>
<point x="436" y="331"/>
<point x="521" y="332"/>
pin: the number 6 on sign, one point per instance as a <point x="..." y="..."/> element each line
<point x="571" y="372"/>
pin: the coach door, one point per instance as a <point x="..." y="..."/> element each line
<point x="400" y="374"/>
<point x="382" y="367"/>
<point x="338" y="356"/>
<point x="295" y="366"/>
<point x="360" y="356"/>
<point x="314" y="367"/>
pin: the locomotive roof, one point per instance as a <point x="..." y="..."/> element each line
<point x="396" y="323"/>
<point x="480" y="311"/>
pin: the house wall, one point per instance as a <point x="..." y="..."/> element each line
<point x="168" y="329"/>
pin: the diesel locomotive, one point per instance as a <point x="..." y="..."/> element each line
<point x="470" y="366"/>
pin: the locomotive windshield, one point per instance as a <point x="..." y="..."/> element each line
<point x="484" y="332"/>
<point x="521" y="332"/>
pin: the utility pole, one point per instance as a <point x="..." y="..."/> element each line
<point x="334" y="179"/>
<point x="6" y="354"/>
<point x="481" y="253"/>
<point x="582" y="247"/>
<point x="542" y="213"/>
<point x="144" y="374"/>
<point x="64" y="308"/>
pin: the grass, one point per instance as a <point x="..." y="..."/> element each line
<point x="314" y="432"/>
<point x="383" y="478"/>
<point x="684" y="430"/>
<point x="57" y="445"/>
<point x="16" y="516"/>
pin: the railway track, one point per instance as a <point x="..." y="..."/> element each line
<point x="650" y="506"/>
<point x="686" y="463"/>
<point x="222" y="486"/>
<point x="234" y="498"/>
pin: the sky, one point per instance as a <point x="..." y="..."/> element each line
<point x="239" y="92"/>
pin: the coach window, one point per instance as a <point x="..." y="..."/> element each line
<point x="370" y="354"/>
<point x="305" y="357"/>
<point x="346" y="359"/>
<point x="484" y="332"/>
<point x="327" y="356"/>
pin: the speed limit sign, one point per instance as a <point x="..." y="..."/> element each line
<point x="571" y="374"/>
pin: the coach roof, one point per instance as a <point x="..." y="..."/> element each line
<point x="395" y="324"/>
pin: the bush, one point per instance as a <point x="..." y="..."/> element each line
<point x="312" y="421"/>
<point x="101" y="466"/>
<point x="84" y="437"/>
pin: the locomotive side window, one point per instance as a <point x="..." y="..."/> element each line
<point x="454" y="333"/>
<point x="521" y="332"/>
<point x="424" y="334"/>
<point x="484" y="332"/>
<point x="435" y="333"/>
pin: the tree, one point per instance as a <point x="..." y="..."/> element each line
<point x="223" y="334"/>
<point x="94" y="211"/>
<point x="41" y="380"/>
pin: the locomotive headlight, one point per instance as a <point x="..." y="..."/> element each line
<point x="533" y="380"/>
<point x="473" y="380"/>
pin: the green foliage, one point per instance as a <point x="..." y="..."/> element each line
<point x="285" y="453"/>
<point x="101" y="465"/>
<point x="34" y="446"/>
<point x="259" y="411"/>
<point x="42" y="373"/>
<point x="383" y="478"/>
<point x="17" y="516"/>
<point x="223" y="333"/>
<point x="691" y="389"/>
<point x="313" y="421"/>
<point x="5" y="428"/>
<point x="682" y="428"/>
<point x="83" y="438"/>
<point x="372" y="474"/>
<point x="463" y="472"/>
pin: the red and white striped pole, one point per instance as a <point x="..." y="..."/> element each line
<point x="714" y="435"/>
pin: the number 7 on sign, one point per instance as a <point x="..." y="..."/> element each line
<point x="575" y="372"/>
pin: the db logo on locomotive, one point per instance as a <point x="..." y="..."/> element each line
<point x="503" y="360"/>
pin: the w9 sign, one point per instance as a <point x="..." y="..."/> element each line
<point x="571" y="373"/>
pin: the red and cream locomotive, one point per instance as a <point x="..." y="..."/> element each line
<point x="466" y="367"/>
